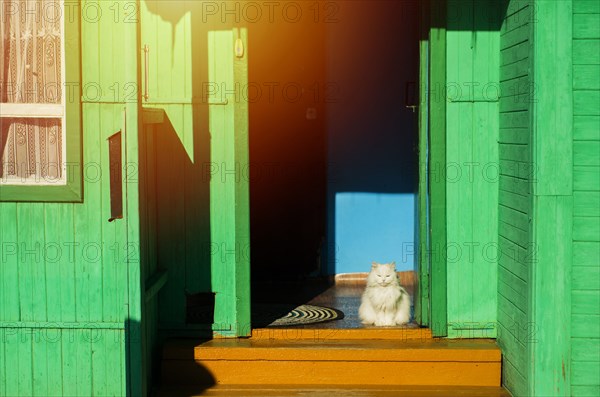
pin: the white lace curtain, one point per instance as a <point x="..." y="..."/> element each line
<point x="30" y="73"/>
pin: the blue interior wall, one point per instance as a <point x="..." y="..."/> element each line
<point x="374" y="227"/>
<point x="372" y="57"/>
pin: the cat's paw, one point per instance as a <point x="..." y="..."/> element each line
<point x="401" y="320"/>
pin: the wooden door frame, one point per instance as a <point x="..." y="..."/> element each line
<point x="229" y="197"/>
<point x="436" y="165"/>
<point x="430" y="298"/>
<point x="431" y="295"/>
<point x="421" y="299"/>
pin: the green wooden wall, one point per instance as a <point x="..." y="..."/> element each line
<point x="68" y="318"/>
<point x="471" y="174"/>
<point x="514" y="209"/>
<point x="549" y="203"/>
<point x="585" y="293"/>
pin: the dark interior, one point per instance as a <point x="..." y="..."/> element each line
<point x="287" y="149"/>
<point x="327" y="113"/>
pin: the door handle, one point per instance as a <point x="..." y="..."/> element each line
<point x="146" y="78"/>
<point x="410" y="96"/>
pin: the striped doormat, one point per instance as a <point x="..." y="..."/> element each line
<point x="300" y="315"/>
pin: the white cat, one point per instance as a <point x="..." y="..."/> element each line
<point x="384" y="302"/>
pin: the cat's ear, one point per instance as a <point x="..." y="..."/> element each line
<point x="393" y="265"/>
<point x="374" y="265"/>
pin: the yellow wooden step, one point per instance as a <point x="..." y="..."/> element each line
<point x="331" y="391"/>
<point x="432" y="362"/>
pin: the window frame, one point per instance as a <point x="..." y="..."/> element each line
<point x="72" y="190"/>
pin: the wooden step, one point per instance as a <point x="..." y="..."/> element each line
<point x="432" y="362"/>
<point x="332" y="391"/>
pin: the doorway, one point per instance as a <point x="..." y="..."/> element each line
<point x="333" y="154"/>
<point x="333" y="162"/>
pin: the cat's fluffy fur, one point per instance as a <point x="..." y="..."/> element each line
<point x="384" y="302"/>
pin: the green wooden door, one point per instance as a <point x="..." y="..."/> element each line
<point x="471" y="174"/>
<point x="200" y="234"/>
<point x="462" y="167"/>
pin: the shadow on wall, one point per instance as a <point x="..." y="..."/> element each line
<point x="179" y="220"/>
<point x="174" y="182"/>
<point x="373" y="59"/>
<point x="460" y="17"/>
<point x="171" y="233"/>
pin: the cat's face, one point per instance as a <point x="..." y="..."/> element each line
<point x="383" y="274"/>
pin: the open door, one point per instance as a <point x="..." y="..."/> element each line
<point x="195" y="150"/>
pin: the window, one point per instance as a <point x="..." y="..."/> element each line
<point x="39" y="131"/>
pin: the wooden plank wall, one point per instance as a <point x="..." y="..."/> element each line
<point x="515" y="200"/>
<point x="471" y="171"/>
<point x="64" y="267"/>
<point x="585" y="296"/>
